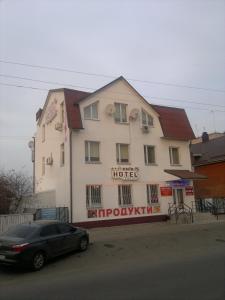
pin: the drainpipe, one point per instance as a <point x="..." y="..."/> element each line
<point x="71" y="177"/>
<point x="34" y="166"/>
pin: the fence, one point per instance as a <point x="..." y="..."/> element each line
<point x="8" y="220"/>
<point x="54" y="213"/>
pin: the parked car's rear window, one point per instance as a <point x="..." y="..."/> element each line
<point x="20" y="231"/>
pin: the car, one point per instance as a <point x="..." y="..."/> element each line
<point x="33" y="244"/>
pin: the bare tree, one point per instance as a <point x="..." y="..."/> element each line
<point x="14" y="186"/>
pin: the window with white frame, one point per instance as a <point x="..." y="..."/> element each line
<point x="91" y="111"/>
<point x="174" y="155"/>
<point x="93" y="195"/>
<point x="62" y="155"/>
<point x="43" y="166"/>
<point x="124" y="195"/>
<point x="92" y="151"/>
<point x="122" y="153"/>
<point x="43" y="132"/>
<point x="149" y="154"/>
<point x="146" y="119"/>
<point x="152" y="193"/>
<point x="120" y="113"/>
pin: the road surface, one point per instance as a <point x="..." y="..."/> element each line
<point x="146" y="261"/>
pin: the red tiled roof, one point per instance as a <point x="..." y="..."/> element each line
<point x="174" y="123"/>
<point x="72" y="97"/>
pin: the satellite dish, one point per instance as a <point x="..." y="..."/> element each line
<point x="134" y="114"/>
<point x="110" y="109"/>
<point x="31" y="144"/>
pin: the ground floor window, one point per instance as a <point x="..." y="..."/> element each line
<point x="93" y="195"/>
<point x="152" y="193"/>
<point x="124" y="194"/>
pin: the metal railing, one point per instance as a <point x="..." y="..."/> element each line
<point x="181" y="210"/>
<point x="216" y="207"/>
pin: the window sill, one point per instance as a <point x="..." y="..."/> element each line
<point x="153" y="164"/>
<point x="122" y="123"/>
<point x="153" y="204"/>
<point x="94" y="207"/>
<point x="123" y="163"/>
<point x="93" y="162"/>
<point x="149" y="126"/>
<point x="92" y="119"/>
<point x="176" y="165"/>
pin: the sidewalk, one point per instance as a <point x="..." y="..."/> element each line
<point x="148" y="229"/>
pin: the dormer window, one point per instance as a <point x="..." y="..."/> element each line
<point x="146" y="119"/>
<point x="120" y="113"/>
<point x="91" y="111"/>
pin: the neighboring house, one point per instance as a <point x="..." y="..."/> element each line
<point x="211" y="136"/>
<point x="111" y="157"/>
<point x="208" y="158"/>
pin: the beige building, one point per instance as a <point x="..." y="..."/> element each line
<point x="111" y="157"/>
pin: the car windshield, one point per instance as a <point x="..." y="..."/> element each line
<point x="20" y="231"/>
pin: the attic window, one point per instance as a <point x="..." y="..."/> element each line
<point x="146" y="119"/>
<point x="91" y="112"/>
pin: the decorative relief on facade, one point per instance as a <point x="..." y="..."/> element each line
<point x="51" y="112"/>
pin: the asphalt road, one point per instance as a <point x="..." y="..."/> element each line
<point x="133" y="263"/>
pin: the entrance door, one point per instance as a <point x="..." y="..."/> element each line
<point x="178" y="197"/>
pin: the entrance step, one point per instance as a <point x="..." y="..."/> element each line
<point x="183" y="218"/>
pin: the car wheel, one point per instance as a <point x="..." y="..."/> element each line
<point x="83" y="244"/>
<point x="38" y="261"/>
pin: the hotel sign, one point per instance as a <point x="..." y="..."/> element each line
<point x="125" y="173"/>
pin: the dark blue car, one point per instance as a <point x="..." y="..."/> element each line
<point x="34" y="243"/>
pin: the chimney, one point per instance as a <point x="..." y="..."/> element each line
<point x="205" y="137"/>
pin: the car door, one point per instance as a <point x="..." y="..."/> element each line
<point x="71" y="239"/>
<point x="53" y="239"/>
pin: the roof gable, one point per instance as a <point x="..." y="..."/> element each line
<point x="174" y="121"/>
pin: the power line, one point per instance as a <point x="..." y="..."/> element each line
<point x="44" y="81"/>
<point x="75" y="86"/>
<point x="195" y="108"/>
<point x="112" y="77"/>
<point x="22" y="86"/>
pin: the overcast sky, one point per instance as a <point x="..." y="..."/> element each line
<point x="180" y="42"/>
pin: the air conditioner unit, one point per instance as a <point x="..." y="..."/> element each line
<point x="59" y="126"/>
<point x="49" y="161"/>
<point x="145" y="128"/>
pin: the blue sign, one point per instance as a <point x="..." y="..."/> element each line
<point x="179" y="183"/>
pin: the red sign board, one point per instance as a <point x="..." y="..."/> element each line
<point x="166" y="191"/>
<point x="189" y="191"/>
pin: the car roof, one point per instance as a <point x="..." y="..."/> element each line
<point x="40" y="223"/>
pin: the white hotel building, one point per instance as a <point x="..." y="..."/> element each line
<point x="111" y="157"/>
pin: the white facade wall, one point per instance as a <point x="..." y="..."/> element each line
<point x="108" y="133"/>
<point x="56" y="177"/>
